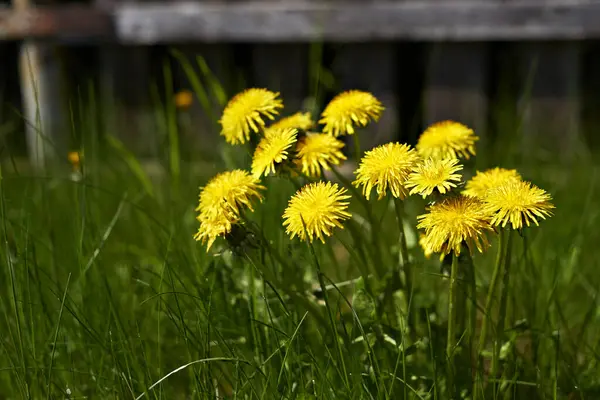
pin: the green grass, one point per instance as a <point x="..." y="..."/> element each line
<point x="107" y="295"/>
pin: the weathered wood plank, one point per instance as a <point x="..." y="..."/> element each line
<point x="282" y="68"/>
<point x="266" y="21"/>
<point x="371" y="67"/>
<point x="260" y="20"/>
<point x="456" y="83"/>
<point x="66" y="22"/>
<point x="39" y="74"/>
<point x="551" y="108"/>
<point x="590" y="95"/>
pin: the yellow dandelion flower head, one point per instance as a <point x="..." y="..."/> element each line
<point x="183" y="99"/>
<point x="215" y="222"/>
<point x="299" y="120"/>
<point x="317" y="151"/>
<point x="489" y="179"/>
<point x="452" y="221"/>
<point x="434" y="174"/>
<point x="386" y="167"/>
<point x="272" y="149"/>
<point x="518" y="202"/>
<point x="245" y="113"/>
<point x="424" y="245"/>
<point x="315" y="210"/>
<point x="447" y="139"/>
<point x="231" y="190"/>
<point x="74" y="158"/>
<point x="350" y="109"/>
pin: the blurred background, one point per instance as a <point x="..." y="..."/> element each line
<point x="523" y="74"/>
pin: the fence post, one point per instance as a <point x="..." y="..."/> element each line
<point x="41" y="100"/>
<point x="282" y="68"/>
<point x="455" y="85"/>
<point x="371" y="67"/>
<point x="550" y="99"/>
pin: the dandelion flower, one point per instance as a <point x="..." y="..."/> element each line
<point x="350" y="109"/>
<point x="452" y="221"/>
<point x="434" y="174"/>
<point x="518" y="202"/>
<point x="245" y="113"/>
<point x="315" y="210"/>
<point x="272" y="149"/>
<point x="300" y="120"/>
<point x="221" y="202"/>
<point x="386" y="167"/>
<point x="74" y="158"/>
<point x="232" y="189"/>
<point x="447" y="139"/>
<point x="425" y="246"/>
<point x="317" y="151"/>
<point x="216" y="222"/>
<point x="486" y="180"/>
<point x="183" y="99"/>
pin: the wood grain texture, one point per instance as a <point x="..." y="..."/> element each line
<point x="267" y="21"/>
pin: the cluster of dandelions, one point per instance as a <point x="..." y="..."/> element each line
<point x="288" y="145"/>
<point x="432" y="169"/>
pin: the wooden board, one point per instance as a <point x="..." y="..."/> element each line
<point x="591" y="94"/>
<point x="550" y="102"/>
<point x="282" y="68"/>
<point x="371" y="67"/>
<point x="456" y="85"/>
<point x="304" y="20"/>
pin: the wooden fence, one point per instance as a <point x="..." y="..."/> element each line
<point x="477" y="61"/>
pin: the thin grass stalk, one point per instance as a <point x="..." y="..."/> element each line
<point x="432" y="357"/>
<point x="329" y="310"/>
<point x="487" y="313"/>
<point x="451" y="323"/>
<point x="357" y="150"/>
<point x="371" y="218"/>
<point x="472" y="306"/>
<point x="271" y="277"/>
<point x="503" y="303"/>
<point x="172" y="130"/>
<point x="406" y="264"/>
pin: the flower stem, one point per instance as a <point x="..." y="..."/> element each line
<point x="357" y="151"/>
<point x="406" y="264"/>
<point x="379" y="267"/>
<point x="489" y="303"/>
<point x="503" y="303"/>
<point x="343" y="372"/>
<point x="451" y="321"/>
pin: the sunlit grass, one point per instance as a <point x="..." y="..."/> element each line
<point x="107" y="295"/>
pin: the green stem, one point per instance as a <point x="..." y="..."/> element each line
<point x="357" y="151"/>
<point x="472" y="305"/>
<point x="451" y="334"/>
<point x="489" y="303"/>
<point x="271" y="277"/>
<point x="379" y="268"/>
<point x="406" y="264"/>
<point x="492" y="291"/>
<point x="503" y="302"/>
<point x="334" y="331"/>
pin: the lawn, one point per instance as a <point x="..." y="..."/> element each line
<point x="108" y="295"/>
